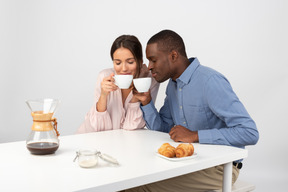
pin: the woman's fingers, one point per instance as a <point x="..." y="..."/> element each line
<point x="108" y="84"/>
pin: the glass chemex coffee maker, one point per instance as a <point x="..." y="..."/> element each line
<point x="43" y="138"/>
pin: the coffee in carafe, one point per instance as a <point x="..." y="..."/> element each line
<point x="43" y="138"/>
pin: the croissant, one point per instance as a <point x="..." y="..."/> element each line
<point x="184" y="150"/>
<point x="167" y="150"/>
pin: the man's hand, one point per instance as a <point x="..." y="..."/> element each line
<point x="181" y="134"/>
<point x="144" y="98"/>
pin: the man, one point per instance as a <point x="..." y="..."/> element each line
<point x="200" y="106"/>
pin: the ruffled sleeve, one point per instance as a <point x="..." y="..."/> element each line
<point x="94" y="120"/>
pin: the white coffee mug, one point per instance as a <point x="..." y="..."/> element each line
<point x="142" y="84"/>
<point x="123" y="81"/>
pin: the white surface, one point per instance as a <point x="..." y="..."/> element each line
<point x="135" y="151"/>
<point x="177" y="159"/>
<point x="56" y="48"/>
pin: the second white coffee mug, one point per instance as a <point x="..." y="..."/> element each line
<point x="142" y="84"/>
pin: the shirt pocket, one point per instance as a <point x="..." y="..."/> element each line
<point x="196" y="117"/>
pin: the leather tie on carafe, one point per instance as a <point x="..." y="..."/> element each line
<point x="55" y="126"/>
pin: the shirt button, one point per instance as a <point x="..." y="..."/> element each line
<point x="180" y="89"/>
<point x="180" y="107"/>
<point x="184" y="122"/>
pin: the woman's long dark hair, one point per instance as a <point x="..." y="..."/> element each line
<point x="133" y="44"/>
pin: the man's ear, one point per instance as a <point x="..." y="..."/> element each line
<point x="174" y="55"/>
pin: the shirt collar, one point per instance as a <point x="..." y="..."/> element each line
<point x="187" y="74"/>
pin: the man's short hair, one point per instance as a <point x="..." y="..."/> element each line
<point x="167" y="41"/>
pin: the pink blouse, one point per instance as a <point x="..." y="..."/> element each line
<point x="116" y="116"/>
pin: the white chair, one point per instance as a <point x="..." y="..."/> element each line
<point x="240" y="186"/>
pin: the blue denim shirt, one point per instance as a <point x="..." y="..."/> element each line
<point x="203" y="100"/>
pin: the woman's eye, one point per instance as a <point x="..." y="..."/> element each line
<point x="117" y="63"/>
<point x="131" y="62"/>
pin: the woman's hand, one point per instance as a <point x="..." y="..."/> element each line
<point x="108" y="85"/>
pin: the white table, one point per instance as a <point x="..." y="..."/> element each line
<point x="135" y="151"/>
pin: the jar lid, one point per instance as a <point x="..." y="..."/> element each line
<point x="108" y="158"/>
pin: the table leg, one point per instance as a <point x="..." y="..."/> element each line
<point x="227" y="177"/>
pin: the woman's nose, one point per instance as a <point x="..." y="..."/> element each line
<point x="124" y="67"/>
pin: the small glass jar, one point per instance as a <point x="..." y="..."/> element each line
<point x="87" y="158"/>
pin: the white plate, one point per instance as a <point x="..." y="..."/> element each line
<point x="177" y="158"/>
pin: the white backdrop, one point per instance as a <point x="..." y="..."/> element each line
<point x="56" y="49"/>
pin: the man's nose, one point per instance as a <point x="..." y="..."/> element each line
<point x="150" y="66"/>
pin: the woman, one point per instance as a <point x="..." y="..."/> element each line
<point x="116" y="108"/>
